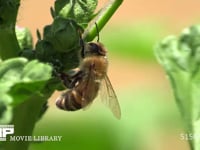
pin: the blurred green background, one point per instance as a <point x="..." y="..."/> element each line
<point x="150" y="119"/>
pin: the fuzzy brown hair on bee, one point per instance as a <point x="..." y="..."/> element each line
<point x="90" y="77"/>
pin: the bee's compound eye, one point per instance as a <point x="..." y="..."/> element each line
<point x="94" y="47"/>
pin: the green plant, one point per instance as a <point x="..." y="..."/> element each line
<point x="27" y="72"/>
<point x="180" y="56"/>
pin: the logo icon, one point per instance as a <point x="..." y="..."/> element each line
<point x="5" y="130"/>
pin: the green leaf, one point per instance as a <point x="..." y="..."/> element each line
<point x="79" y="10"/>
<point x="5" y="108"/>
<point x="45" y="51"/>
<point x="10" y="70"/>
<point x="180" y="57"/>
<point x="63" y="34"/>
<point x="61" y="44"/>
<point x="22" y="91"/>
<point x="8" y="76"/>
<point x="36" y="71"/>
<point x="20" y="80"/>
<point x="24" y="38"/>
<point x="32" y="80"/>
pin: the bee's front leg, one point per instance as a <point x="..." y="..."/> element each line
<point x="71" y="78"/>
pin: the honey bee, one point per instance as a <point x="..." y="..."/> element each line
<point x="90" y="78"/>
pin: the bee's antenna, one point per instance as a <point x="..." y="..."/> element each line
<point x="97" y="31"/>
<point x="81" y="44"/>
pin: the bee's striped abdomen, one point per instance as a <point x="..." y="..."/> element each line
<point x="69" y="101"/>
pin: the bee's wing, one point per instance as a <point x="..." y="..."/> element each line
<point x="86" y="104"/>
<point x="89" y="90"/>
<point x="109" y="97"/>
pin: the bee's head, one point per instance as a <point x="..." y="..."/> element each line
<point x="94" y="49"/>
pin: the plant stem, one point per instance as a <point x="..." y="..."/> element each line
<point x="101" y="19"/>
<point x="24" y="118"/>
<point x="9" y="46"/>
<point x="184" y="95"/>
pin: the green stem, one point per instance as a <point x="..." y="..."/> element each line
<point x="9" y="46"/>
<point x="183" y="90"/>
<point x="102" y="18"/>
<point x="24" y="120"/>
